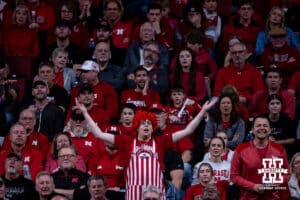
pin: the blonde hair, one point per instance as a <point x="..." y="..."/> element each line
<point x="267" y="27"/>
<point x="292" y="161"/>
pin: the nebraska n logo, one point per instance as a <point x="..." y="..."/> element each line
<point x="272" y="170"/>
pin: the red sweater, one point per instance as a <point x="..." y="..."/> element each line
<point x="280" y="58"/>
<point x="200" y="87"/>
<point x="21" y="41"/>
<point x="247" y="80"/>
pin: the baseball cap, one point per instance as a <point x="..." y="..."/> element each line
<point x="14" y="155"/>
<point x="89" y="65"/>
<point x="85" y="88"/>
<point x="276" y="32"/>
<point x="157" y="107"/>
<point x="39" y="82"/>
<point x="103" y="24"/>
<point x="113" y="130"/>
<point x="77" y="115"/>
<point x="192" y="8"/>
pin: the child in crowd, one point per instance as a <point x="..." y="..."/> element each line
<point x="181" y="110"/>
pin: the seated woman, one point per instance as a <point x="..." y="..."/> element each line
<point x="227" y="155"/>
<point x="64" y="77"/>
<point x="205" y="179"/>
<point x="295" y="177"/>
<point x="282" y="127"/>
<point x="59" y="141"/>
<point x="185" y="74"/>
<point x="19" y="39"/>
<point x="225" y="118"/>
<point x="221" y="168"/>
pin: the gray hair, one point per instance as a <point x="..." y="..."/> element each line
<point x="43" y="173"/>
<point x="96" y="177"/>
<point x="151" y="188"/>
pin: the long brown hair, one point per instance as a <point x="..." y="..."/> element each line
<point x="178" y="73"/>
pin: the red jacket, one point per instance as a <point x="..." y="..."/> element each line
<point x="259" y="106"/>
<point x="244" y="169"/>
<point x="247" y="80"/>
<point x="21" y="41"/>
<point x="105" y="97"/>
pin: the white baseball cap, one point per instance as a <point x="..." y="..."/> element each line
<point x="89" y="65"/>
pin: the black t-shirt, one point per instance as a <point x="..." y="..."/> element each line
<point x="74" y="180"/>
<point x="283" y="128"/>
<point x="19" y="188"/>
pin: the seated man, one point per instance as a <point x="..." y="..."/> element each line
<point x="32" y="158"/>
<point x="44" y="185"/>
<point x="135" y="52"/>
<point x="49" y="116"/>
<point x="35" y="140"/>
<point x="86" y="96"/>
<point x="141" y="96"/>
<point x="278" y="53"/>
<point x="158" y="76"/>
<point x="68" y="178"/>
<point x="17" y="186"/>
<point x="109" y="73"/>
<point x="104" y="94"/>
<point x="240" y="74"/>
<point x="85" y="142"/>
<point x="96" y="189"/>
<point x="273" y="83"/>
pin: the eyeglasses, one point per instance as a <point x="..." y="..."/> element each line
<point x="66" y="156"/>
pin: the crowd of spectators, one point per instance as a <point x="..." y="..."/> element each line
<point x="149" y="99"/>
